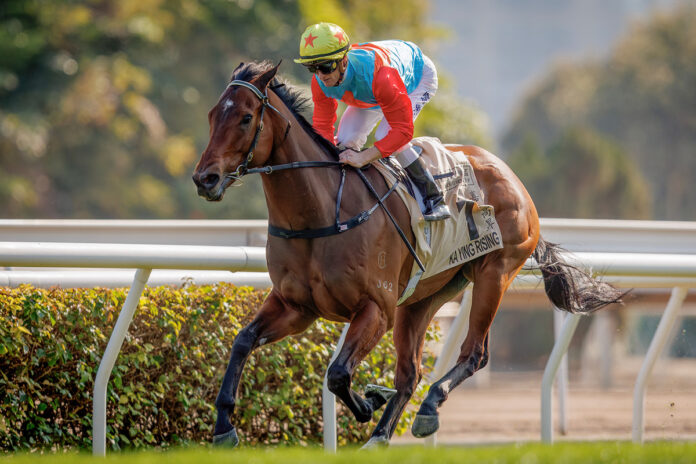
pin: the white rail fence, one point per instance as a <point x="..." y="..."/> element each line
<point x="139" y="232"/>
<point x="667" y="259"/>
<point x="156" y="232"/>
<point x="616" y="236"/>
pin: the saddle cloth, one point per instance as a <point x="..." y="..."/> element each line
<point x="471" y="232"/>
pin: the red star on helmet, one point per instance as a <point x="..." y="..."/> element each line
<point x="340" y="36"/>
<point x="309" y="40"/>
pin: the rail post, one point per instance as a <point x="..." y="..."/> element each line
<point x="559" y="350"/>
<point x="328" y="401"/>
<point x="109" y="359"/>
<point x="656" y="346"/>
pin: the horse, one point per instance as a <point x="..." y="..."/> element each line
<point x="357" y="275"/>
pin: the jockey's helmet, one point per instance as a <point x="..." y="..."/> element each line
<point x="323" y="42"/>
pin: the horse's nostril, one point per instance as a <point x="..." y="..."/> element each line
<point x="210" y="180"/>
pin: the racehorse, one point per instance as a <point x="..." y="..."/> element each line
<point x="358" y="274"/>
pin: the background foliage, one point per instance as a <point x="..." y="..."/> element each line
<point x="637" y="108"/>
<point x="582" y="174"/>
<point x="163" y="386"/>
<point x="103" y="104"/>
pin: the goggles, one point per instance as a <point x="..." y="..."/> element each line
<point x="325" y="67"/>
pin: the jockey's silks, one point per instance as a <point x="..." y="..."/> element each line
<point x="365" y="60"/>
<point x="379" y="74"/>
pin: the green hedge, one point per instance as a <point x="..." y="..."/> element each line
<point x="165" y="381"/>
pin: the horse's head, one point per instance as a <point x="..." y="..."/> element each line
<point x="236" y="124"/>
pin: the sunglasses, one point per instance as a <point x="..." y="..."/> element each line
<point x="325" y="67"/>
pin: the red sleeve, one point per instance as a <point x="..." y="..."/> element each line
<point x="392" y="97"/>
<point x="324" y="116"/>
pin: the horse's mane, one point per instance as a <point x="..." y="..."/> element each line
<point x="294" y="98"/>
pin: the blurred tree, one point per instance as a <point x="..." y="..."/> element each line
<point x="103" y="104"/>
<point x="643" y="96"/>
<point x="453" y="119"/>
<point x="582" y="175"/>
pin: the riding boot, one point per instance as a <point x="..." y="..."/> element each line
<point x="435" y="208"/>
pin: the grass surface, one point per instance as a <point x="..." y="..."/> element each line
<point x="604" y="452"/>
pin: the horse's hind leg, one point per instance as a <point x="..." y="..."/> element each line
<point x="491" y="282"/>
<point x="365" y="331"/>
<point x="274" y="321"/>
<point x="410" y="326"/>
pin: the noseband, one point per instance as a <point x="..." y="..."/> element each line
<point x="243" y="168"/>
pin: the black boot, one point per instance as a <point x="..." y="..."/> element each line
<point x="435" y="207"/>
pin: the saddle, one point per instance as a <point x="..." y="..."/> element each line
<point x="471" y="232"/>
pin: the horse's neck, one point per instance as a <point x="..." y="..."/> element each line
<point x="302" y="198"/>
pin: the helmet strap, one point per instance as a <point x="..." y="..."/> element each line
<point x="340" y="79"/>
<point x="341" y="71"/>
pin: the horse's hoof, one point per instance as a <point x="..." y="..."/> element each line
<point x="376" y="442"/>
<point x="226" y="440"/>
<point x="424" y="425"/>
<point x="379" y="391"/>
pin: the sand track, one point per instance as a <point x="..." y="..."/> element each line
<point x="508" y="410"/>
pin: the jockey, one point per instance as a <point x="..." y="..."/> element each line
<point x="389" y="81"/>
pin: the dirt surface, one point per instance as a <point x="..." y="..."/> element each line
<point x="508" y="409"/>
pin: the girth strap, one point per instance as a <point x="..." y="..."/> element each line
<point x="324" y="231"/>
<point x="336" y="228"/>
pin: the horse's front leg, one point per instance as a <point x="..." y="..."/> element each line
<point x="274" y="321"/>
<point x="365" y="331"/>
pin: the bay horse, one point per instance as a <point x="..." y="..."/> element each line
<point x="256" y="126"/>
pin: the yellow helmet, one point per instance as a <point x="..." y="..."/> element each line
<point x="323" y="42"/>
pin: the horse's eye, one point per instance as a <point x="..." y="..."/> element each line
<point x="246" y="119"/>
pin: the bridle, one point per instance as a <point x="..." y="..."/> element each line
<point x="243" y="168"/>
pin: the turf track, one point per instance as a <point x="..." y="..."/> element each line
<point x="595" y="452"/>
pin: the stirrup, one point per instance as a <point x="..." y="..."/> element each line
<point x="437" y="213"/>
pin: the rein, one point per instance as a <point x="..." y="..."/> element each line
<point x="338" y="226"/>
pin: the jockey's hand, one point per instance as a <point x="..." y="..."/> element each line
<point x="359" y="159"/>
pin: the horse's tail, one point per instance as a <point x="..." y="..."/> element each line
<point x="569" y="287"/>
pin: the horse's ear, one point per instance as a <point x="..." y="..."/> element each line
<point x="241" y="64"/>
<point x="262" y="81"/>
